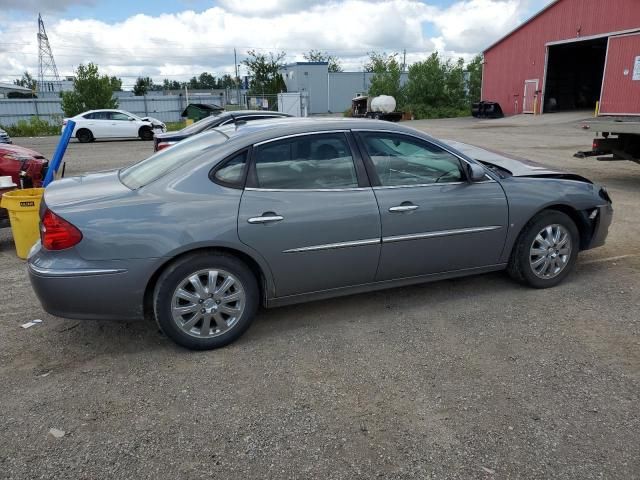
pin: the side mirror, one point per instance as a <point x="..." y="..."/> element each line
<point x="131" y="119"/>
<point x="476" y="172"/>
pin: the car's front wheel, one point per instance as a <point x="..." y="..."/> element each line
<point x="146" y="133"/>
<point x="546" y="251"/>
<point x="205" y="301"/>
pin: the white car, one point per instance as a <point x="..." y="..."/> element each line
<point x="96" y="124"/>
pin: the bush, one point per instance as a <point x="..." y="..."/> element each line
<point x="34" y="127"/>
<point x="348" y="112"/>
<point x="421" y="112"/>
<point x="173" y="126"/>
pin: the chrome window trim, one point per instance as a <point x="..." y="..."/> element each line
<point x="396" y="132"/>
<point x="293" y="135"/>
<point x="420" y="185"/>
<point x="439" y="233"/>
<point x="348" y="189"/>
<point x="333" y="246"/>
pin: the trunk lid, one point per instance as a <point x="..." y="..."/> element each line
<point x="76" y="191"/>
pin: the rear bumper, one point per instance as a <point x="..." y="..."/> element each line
<point x="92" y="292"/>
<point x="602" y="223"/>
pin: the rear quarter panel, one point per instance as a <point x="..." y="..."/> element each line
<point x="179" y="213"/>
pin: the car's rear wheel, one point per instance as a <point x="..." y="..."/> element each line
<point x="546" y="250"/>
<point x="205" y="301"/>
<point x="84" y="135"/>
<point x="146" y="133"/>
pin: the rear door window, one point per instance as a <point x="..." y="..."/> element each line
<point x="322" y="161"/>
<point x="231" y="173"/>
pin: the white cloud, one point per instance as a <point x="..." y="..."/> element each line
<point x="268" y="7"/>
<point x="187" y="43"/>
<point x="473" y="25"/>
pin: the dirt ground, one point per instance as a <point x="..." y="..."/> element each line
<point x="469" y="378"/>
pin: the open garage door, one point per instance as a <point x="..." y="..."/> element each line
<point x="621" y="86"/>
<point x="574" y="75"/>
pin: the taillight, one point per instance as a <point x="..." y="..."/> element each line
<point x="162" y="146"/>
<point x="56" y="233"/>
<point x="595" y="145"/>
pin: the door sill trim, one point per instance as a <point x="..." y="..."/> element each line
<point x="380" y="285"/>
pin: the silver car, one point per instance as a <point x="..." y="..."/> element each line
<point x="200" y="235"/>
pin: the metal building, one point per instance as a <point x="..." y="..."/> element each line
<point x="569" y="56"/>
<point x="328" y="92"/>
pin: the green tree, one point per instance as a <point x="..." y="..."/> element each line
<point x="90" y="91"/>
<point x="172" y="84"/>
<point x="116" y="84"/>
<point x="319" y="56"/>
<point x="208" y="81"/>
<point x="264" y="70"/>
<point x="386" y="79"/>
<point x="474" y="78"/>
<point x="437" y="88"/>
<point x="26" y="81"/>
<point x="227" y="81"/>
<point x="142" y="86"/>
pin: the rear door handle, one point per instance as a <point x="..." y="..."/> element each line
<point x="268" y="217"/>
<point x="403" y="208"/>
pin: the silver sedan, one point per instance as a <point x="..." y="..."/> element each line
<point x="201" y="234"/>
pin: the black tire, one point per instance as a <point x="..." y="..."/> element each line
<point x="185" y="266"/>
<point x="146" y="134"/>
<point x="84" y="135"/>
<point x="520" y="268"/>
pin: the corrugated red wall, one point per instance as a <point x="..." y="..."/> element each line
<point x="620" y="93"/>
<point x="521" y="55"/>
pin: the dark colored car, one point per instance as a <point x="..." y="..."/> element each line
<point x="164" y="140"/>
<point x="287" y="211"/>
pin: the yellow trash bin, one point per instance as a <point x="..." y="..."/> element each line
<point x="23" y="206"/>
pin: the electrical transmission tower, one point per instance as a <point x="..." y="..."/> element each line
<point x="48" y="78"/>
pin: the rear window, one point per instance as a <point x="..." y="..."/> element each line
<point x="167" y="160"/>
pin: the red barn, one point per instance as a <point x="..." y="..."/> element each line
<point x="569" y="56"/>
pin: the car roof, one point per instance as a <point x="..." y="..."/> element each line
<point x="259" y="130"/>
<point x="250" y="113"/>
<point x="107" y="110"/>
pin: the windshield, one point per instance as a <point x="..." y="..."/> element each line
<point x="200" y="125"/>
<point x="144" y="172"/>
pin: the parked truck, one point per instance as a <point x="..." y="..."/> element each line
<point x="617" y="138"/>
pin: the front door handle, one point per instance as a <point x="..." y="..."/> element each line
<point x="268" y="217"/>
<point x="405" y="207"/>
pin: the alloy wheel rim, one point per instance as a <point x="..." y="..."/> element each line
<point x="208" y="303"/>
<point x="550" y="251"/>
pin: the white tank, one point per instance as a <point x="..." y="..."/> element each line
<point x="384" y="104"/>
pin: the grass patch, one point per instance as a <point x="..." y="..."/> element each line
<point x="34" y="127"/>
<point x="174" y="126"/>
<point x="421" y="112"/>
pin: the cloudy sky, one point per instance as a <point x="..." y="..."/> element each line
<point x="177" y="39"/>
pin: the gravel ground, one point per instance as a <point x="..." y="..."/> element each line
<point x="469" y="378"/>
